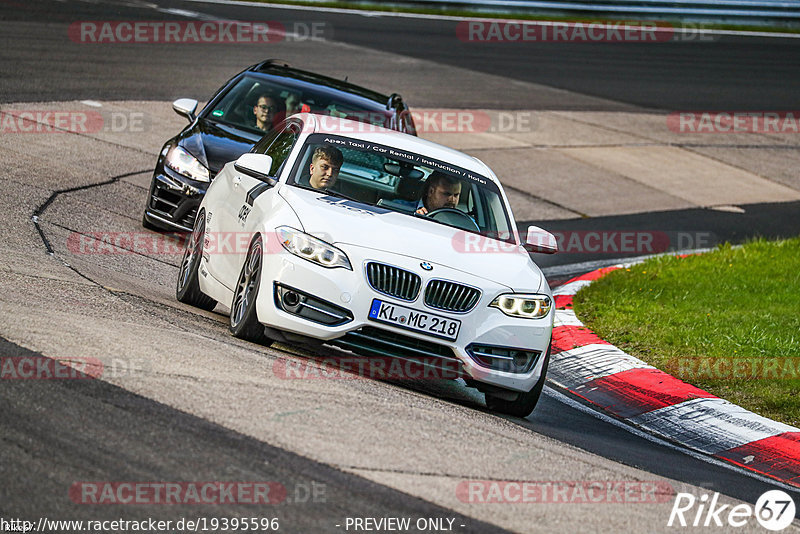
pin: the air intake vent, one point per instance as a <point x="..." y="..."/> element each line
<point x="393" y="281"/>
<point x="450" y="296"/>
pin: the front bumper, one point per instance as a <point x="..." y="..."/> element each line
<point x="173" y="200"/>
<point x="350" y="291"/>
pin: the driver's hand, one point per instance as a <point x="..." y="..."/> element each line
<point x="422" y="211"/>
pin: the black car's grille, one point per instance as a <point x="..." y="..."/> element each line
<point x="188" y="219"/>
<point x="393" y="281"/>
<point x="165" y="200"/>
<point x="450" y="296"/>
<point x="174" y="206"/>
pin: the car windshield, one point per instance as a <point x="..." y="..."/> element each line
<point x="257" y="105"/>
<point x="405" y="182"/>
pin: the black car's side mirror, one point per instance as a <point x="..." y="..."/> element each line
<point x="185" y="107"/>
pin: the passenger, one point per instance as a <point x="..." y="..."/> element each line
<point x="441" y="191"/>
<point x="325" y="165"/>
<point x="265" y="111"/>
<point x="294" y="105"/>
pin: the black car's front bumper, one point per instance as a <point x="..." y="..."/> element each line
<point x="173" y="200"/>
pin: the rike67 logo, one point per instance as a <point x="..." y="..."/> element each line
<point x="774" y="510"/>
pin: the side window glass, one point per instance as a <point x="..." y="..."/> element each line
<point x="265" y="142"/>
<point x="279" y="150"/>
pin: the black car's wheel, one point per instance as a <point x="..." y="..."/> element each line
<point x="244" y="321"/>
<point x="524" y="404"/>
<point x="187" y="289"/>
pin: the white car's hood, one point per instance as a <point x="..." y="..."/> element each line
<point x="344" y="222"/>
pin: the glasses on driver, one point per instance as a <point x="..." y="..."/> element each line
<point x="265" y="107"/>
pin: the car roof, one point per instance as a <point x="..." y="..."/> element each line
<point x="305" y="80"/>
<point x="377" y="134"/>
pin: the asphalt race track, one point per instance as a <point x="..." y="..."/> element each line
<point x="181" y="400"/>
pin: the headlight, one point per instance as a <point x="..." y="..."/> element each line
<point x="180" y="161"/>
<point x="524" y="306"/>
<point x="312" y="249"/>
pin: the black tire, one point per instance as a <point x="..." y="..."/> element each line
<point x="244" y="320"/>
<point x="187" y="289"/>
<point x="147" y="224"/>
<point x="525" y="403"/>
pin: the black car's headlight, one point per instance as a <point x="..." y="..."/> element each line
<point x="180" y="161"/>
<point x="525" y="306"/>
<point x="312" y="249"/>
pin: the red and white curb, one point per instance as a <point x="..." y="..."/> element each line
<point x="650" y="399"/>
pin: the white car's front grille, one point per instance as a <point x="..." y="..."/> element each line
<point x="450" y="296"/>
<point x="393" y="281"/>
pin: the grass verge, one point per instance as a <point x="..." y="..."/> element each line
<point x="727" y="321"/>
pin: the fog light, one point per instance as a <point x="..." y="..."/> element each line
<point x="291" y="299"/>
<point x="307" y="306"/>
<point x="521" y="358"/>
<point x="504" y="358"/>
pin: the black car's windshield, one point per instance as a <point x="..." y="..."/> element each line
<point x="257" y="105"/>
<point x="402" y="181"/>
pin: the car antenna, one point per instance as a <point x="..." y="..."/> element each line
<point x="345" y="78"/>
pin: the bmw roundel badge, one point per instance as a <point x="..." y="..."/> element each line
<point x="427" y="266"/>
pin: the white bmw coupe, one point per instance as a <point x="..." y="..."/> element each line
<point x="381" y="244"/>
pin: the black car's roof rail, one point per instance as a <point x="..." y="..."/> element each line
<point x="273" y="62"/>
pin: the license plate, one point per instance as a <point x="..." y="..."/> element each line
<point x="427" y="323"/>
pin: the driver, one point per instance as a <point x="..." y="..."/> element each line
<point x="325" y="165"/>
<point x="441" y="191"/>
<point x="265" y="111"/>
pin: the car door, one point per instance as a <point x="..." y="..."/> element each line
<point x="221" y="222"/>
<point x="240" y="214"/>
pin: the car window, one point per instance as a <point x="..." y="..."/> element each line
<point x="236" y="107"/>
<point x="387" y="177"/>
<point x="266" y="141"/>
<point x="278" y="145"/>
<point x="280" y="149"/>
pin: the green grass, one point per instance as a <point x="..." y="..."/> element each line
<point x="455" y="12"/>
<point x="682" y="314"/>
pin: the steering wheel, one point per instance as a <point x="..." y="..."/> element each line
<point x="454" y="217"/>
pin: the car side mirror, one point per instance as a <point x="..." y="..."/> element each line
<point x="185" y="107"/>
<point x="539" y="240"/>
<point x="255" y="165"/>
